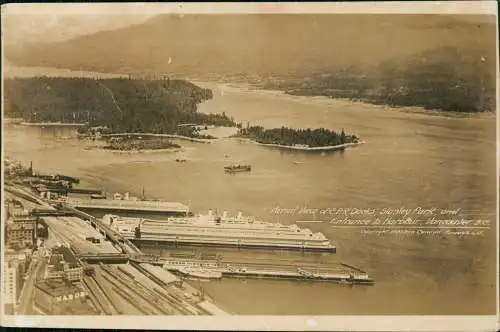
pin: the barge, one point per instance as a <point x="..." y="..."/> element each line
<point x="237" y="168"/>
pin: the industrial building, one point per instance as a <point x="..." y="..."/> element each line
<point x="60" y="297"/>
<point x="16" y="264"/>
<point x="11" y="287"/>
<point x="64" y="265"/>
<point x="20" y="232"/>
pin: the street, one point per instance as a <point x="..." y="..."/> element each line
<point x="25" y="306"/>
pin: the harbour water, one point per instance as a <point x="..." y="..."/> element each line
<point x="409" y="160"/>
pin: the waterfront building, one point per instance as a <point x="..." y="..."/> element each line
<point x="60" y="297"/>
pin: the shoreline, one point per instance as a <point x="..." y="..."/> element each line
<point x="253" y="88"/>
<point x="52" y="124"/>
<point x="415" y="110"/>
<point x="299" y="148"/>
<point x="192" y="139"/>
<point x="173" y="150"/>
<point x="316" y="148"/>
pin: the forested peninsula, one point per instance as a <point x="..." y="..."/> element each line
<point x="122" y="105"/>
<point x="443" y="79"/>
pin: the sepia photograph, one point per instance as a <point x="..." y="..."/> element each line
<point x="277" y="166"/>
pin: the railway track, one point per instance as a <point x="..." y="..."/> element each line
<point x="180" y="305"/>
<point x="149" y="303"/>
<point x="99" y="298"/>
<point x="123" y="303"/>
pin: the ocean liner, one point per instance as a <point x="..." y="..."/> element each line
<point x="223" y="231"/>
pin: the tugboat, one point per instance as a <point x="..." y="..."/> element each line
<point x="237" y="168"/>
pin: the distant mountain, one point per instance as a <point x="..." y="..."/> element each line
<point x="241" y="47"/>
<point x="23" y="29"/>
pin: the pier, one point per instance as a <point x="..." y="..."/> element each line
<point x="300" y="271"/>
<point x="129" y="205"/>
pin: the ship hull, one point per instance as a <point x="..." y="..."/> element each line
<point x="130" y="211"/>
<point x="151" y="242"/>
<point x="339" y="280"/>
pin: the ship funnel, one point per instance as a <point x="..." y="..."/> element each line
<point x="210" y="213"/>
<point x="240" y="215"/>
<point x="126" y="196"/>
<point x="224" y="215"/>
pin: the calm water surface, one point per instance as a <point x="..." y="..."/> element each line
<point x="409" y="160"/>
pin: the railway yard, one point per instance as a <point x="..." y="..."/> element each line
<point x="124" y="289"/>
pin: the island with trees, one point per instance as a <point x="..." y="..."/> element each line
<point x="115" y="105"/>
<point x="319" y="139"/>
<point x="133" y="143"/>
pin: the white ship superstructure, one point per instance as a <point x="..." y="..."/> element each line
<point x="224" y="230"/>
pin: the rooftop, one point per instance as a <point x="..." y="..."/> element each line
<point x="160" y="273"/>
<point x="76" y="308"/>
<point x="19" y="226"/>
<point x="23" y="218"/>
<point x="56" y="261"/>
<point x="67" y="255"/>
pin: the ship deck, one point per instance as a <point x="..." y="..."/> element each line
<point x="124" y="205"/>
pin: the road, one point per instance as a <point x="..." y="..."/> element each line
<point x="25" y="306"/>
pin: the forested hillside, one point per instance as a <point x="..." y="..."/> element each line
<point x="124" y="105"/>
<point x="445" y="79"/>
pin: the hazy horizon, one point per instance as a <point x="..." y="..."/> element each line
<point x="24" y="24"/>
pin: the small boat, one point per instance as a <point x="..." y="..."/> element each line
<point x="180" y="160"/>
<point x="237" y="168"/>
<point x="298" y="162"/>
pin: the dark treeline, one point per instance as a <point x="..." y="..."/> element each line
<point x="288" y="136"/>
<point x="123" y="105"/>
<point x="132" y="143"/>
<point x="443" y="79"/>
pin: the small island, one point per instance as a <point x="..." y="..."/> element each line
<point x="320" y="139"/>
<point x="132" y="143"/>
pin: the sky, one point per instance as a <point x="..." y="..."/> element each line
<point x="28" y="23"/>
<point x="49" y="26"/>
